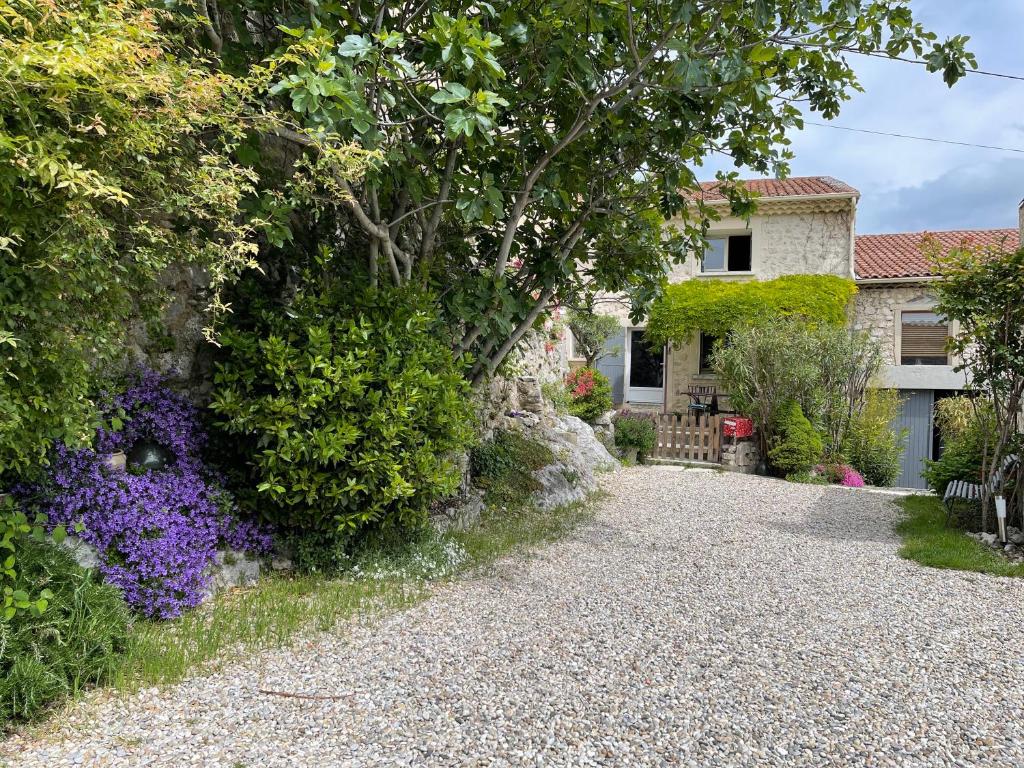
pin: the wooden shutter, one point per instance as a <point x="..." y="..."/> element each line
<point x="924" y="340"/>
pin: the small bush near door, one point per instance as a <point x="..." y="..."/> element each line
<point x="872" y="446"/>
<point x="591" y="393"/>
<point x="963" y="426"/>
<point x="635" y="432"/>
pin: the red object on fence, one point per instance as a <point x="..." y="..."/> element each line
<point x="737" y="426"/>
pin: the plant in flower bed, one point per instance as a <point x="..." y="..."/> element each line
<point x="591" y="393"/>
<point x="635" y="431"/>
<point x="156" y="532"/>
<point x="829" y="474"/>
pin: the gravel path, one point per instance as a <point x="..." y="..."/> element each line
<point x="703" y="619"/>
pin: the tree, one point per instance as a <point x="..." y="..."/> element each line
<point x="983" y="291"/>
<point x="530" y="151"/>
<point x="591" y="332"/>
<point x="824" y="370"/>
<point x="117" y="159"/>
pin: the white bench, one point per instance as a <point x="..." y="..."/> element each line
<point x="961" y="489"/>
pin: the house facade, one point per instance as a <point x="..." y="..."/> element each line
<point x="807" y="225"/>
<point x="895" y="304"/>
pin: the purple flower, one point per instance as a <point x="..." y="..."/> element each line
<point x="157" y="532"/>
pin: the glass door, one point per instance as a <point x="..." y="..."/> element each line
<point x="645" y="370"/>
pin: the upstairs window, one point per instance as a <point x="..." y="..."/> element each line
<point x="727" y="254"/>
<point x="923" y="336"/>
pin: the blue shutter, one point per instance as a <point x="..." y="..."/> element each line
<point x="614" y="365"/>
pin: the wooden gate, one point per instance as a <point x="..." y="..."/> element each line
<point x="689" y="437"/>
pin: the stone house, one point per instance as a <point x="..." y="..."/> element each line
<point x="895" y="304"/>
<point x="806" y="225"/>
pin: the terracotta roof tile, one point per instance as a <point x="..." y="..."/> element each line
<point x="795" y="186"/>
<point x="900" y="255"/>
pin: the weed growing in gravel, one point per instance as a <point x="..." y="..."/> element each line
<point x="503" y="531"/>
<point x="928" y="540"/>
<point x="243" y="622"/>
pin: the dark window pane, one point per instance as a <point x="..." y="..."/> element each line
<point x="646" y="365"/>
<point x="739" y="253"/>
<point x="707" y="346"/>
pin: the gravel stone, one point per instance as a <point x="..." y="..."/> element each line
<point x="703" y="619"/>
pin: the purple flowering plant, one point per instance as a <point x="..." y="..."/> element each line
<point x="156" y="532"/>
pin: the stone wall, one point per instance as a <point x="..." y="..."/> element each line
<point x="788" y="242"/>
<point x="176" y="347"/>
<point x="740" y="455"/>
<point x="874" y="311"/>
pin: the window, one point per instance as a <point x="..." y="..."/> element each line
<point x="707" y="346"/>
<point x="727" y="254"/>
<point x="923" y="336"/>
<point x="575" y="353"/>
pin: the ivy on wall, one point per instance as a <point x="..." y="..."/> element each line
<point x="718" y="306"/>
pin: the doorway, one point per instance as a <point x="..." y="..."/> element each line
<point x="645" y="370"/>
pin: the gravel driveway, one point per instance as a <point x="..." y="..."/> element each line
<point x="703" y="619"/>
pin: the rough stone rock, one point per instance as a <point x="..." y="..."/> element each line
<point x="579" y="455"/>
<point x="604" y="419"/>
<point x="530" y="398"/>
<point x="989" y="538"/>
<point x="230" y="569"/>
<point x="281" y="563"/>
<point x="86" y="555"/>
<point x="1015" y="536"/>
<point x="461" y="514"/>
<point x="741" y="456"/>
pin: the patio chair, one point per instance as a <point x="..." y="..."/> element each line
<point x="703" y="399"/>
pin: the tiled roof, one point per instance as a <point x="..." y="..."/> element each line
<point x="795" y="186"/>
<point x="900" y="255"/>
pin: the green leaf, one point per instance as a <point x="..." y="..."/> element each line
<point x="452" y="93"/>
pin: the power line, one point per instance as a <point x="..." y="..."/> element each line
<point x="922" y="61"/>
<point x="915" y="138"/>
<point x="904" y="59"/>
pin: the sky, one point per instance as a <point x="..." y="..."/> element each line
<point x="907" y="185"/>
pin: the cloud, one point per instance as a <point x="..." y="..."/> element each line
<point x="977" y="196"/>
<point x="912" y="185"/>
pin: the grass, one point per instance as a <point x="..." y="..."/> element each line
<point x="928" y="540"/>
<point x="503" y="532"/>
<point x="242" y="622"/>
<point x="279" y="608"/>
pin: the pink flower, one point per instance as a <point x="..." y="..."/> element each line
<point x="851" y="478"/>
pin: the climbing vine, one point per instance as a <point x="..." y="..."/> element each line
<point x="718" y="306"/>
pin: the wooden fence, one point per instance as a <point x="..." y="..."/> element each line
<point x="689" y="437"/>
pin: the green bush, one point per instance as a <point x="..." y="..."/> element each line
<point x="348" y="411"/>
<point x="963" y="429"/>
<point x="798" y="446"/>
<point x="871" y="445"/>
<point x="503" y="467"/>
<point x="78" y="640"/>
<point x="635" y="432"/>
<point x="591" y="393"/>
<point x="808" y="478"/>
<point x="556" y="394"/>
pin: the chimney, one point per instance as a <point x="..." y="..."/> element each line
<point x="1020" y="221"/>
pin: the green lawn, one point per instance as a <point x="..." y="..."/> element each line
<point x="275" y="611"/>
<point x="929" y="541"/>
